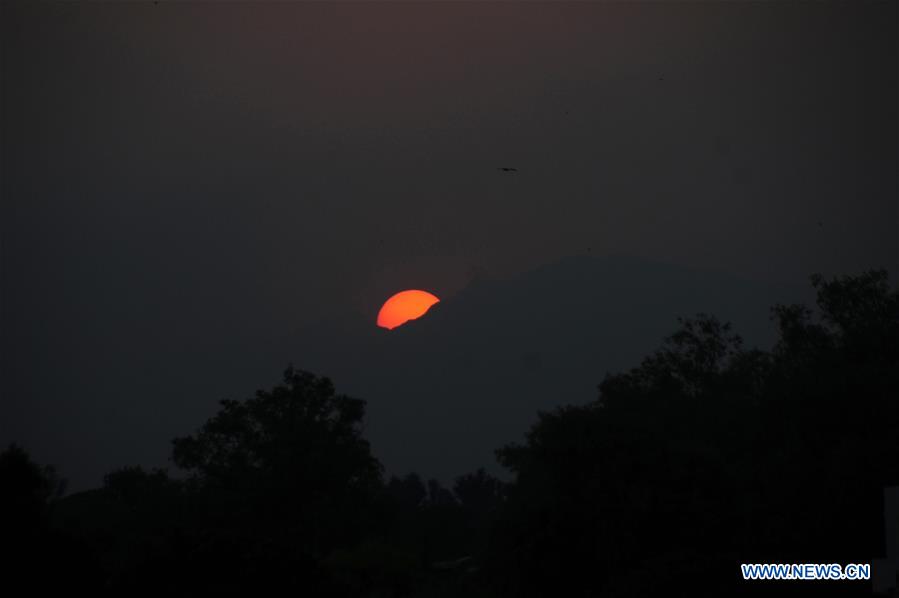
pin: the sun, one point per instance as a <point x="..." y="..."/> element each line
<point x="405" y="306"/>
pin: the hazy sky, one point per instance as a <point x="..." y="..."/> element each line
<point x="181" y="181"/>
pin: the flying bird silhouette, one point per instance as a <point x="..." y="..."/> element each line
<point x="507" y="169"/>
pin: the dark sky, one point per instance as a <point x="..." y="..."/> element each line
<point x="183" y="182"/>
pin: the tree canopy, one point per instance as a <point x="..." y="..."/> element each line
<point x="709" y="454"/>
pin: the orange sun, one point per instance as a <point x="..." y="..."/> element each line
<point x="405" y="306"/>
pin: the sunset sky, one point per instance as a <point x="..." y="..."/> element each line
<point x="182" y="182"/>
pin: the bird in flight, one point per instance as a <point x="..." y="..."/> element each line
<point x="507" y="169"/>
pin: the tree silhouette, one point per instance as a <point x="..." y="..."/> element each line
<point x="708" y="455"/>
<point x="284" y="478"/>
<point x="438" y="496"/>
<point x="479" y="492"/>
<point x="35" y="557"/>
<point x="28" y="490"/>
<point x="409" y="492"/>
<point x="301" y="437"/>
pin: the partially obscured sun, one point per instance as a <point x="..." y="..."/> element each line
<point x="405" y="306"/>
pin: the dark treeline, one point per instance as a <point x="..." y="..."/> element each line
<point x="706" y="455"/>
